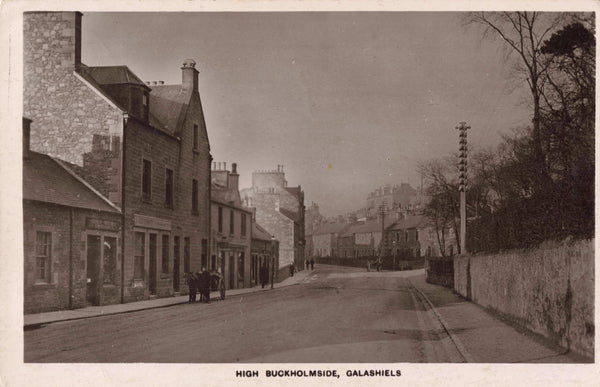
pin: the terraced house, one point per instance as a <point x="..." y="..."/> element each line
<point x="143" y="147"/>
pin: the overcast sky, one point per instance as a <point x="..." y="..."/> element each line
<point x="346" y="101"/>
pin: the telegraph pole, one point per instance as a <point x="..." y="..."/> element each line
<point x="462" y="185"/>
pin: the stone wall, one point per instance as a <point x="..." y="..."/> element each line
<point x="549" y="290"/>
<point x="44" y="297"/>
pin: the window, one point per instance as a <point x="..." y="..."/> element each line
<point x="231" y="222"/>
<point x="110" y="260"/>
<point x="139" y="254"/>
<point x="165" y="253"/>
<point x="169" y="188"/>
<point x="195" y="136"/>
<point x="145" y="106"/>
<point x="186" y="255"/>
<point x="43" y="248"/>
<point x="220" y="219"/>
<point x="146" y="179"/>
<point x="243" y="225"/>
<point x="195" y="196"/>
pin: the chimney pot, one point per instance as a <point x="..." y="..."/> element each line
<point x="154" y="82"/>
<point x="234" y="168"/>
<point x="189" y="76"/>
<point x="224" y="165"/>
<point x="161" y="82"/>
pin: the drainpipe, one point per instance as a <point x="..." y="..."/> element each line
<point x="70" y="258"/>
<point x="123" y="164"/>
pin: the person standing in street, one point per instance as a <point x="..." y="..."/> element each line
<point x="312" y="264"/>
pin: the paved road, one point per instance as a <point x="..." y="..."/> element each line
<point x="336" y="315"/>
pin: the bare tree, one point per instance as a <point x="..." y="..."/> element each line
<point x="524" y="34"/>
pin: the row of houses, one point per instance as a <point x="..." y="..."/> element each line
<point x="407" y="236"/>
<point x="121" y="196"/>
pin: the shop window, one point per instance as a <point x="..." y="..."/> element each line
<point x="43" y="248"/>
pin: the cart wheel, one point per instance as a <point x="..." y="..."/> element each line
<point x="222" y="290"/>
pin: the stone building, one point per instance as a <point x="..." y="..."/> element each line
<point x="231" y="225"/>
<point x="264" y="251"/>
<point x="324" y="239"/>
<point x="142" y="146"/>
<point x="391" y="197"/>
<point x="280" y="210"/>
<point x="71" y="238"/>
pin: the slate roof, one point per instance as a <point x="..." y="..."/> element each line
<point x="414" y="221"/>
<point x="46" y="180"/>
<point x="226" y="196"/>
<point x="290" y="214"/>
<point x="260" y="233"/>
<point x="294" y="191"/>
<point x="86" y="73"/>
<point x="371" y="225"/>
<point x="168" y="105"/>
<point x="114" y="75"/>
<point x="330" y="228"/>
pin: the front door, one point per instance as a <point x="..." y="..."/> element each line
<point x="93" y="269"/>
<point x="153" y="258"/>
<point x="231" y="271"/>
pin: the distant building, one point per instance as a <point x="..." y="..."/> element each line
<point x="279" y="209"/>
<point x="324" y="239"/>
<point x="313" y="218"/>
<point x="231" y="227"/>
<point x="264" y="251"/>
<point x="390" y="197"/>
<point x="142" y="146"/>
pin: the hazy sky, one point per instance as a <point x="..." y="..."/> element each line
<point x="346" y="101"/>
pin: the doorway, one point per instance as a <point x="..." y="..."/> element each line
<point x="93" y="270"/>
<point x="153" y="258"/>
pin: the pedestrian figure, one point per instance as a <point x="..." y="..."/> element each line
<point x="292" y="270"/>
<point x="190" y="279"/>
<point x="306" y="264"/>
<point x="264" y="275"/>
<point x="205" y="280"/>
<point x="368" y="265"/>
<point x="312" y="264"/>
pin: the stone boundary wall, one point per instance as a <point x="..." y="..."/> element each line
<point x="549" y="290"/>
<point x="440" y="271"/>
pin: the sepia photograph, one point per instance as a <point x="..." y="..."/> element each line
<point x="301" y="194"/>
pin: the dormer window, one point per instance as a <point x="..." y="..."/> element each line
<point x="145" y="105"/>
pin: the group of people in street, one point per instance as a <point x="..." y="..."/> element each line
<point x="199" y="282"/>
<point x="309" y="264"/>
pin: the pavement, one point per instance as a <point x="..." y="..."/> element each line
<point x="35" y="320"/>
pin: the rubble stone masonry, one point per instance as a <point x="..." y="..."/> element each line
<point x="66" y="112"/>
<point x="549" y="290"/>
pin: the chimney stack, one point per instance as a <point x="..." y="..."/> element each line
<point x="26" y="137"/>
<point x="234" y="178"/>
<point x="189" y="76"/>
